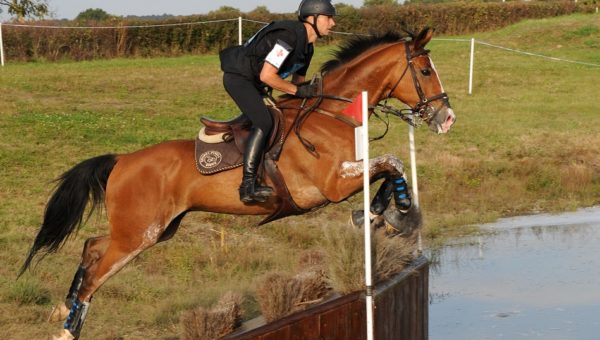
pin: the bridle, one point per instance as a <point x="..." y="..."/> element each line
<point x="422" y="109"/>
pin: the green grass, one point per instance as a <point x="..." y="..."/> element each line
<point x="525" y="141"/>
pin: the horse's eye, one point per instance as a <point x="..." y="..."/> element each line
<point x="426" y="72"/>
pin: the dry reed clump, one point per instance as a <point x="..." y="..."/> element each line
<point x="215" y="322"/>
<point x="391" y="255"/>
<point x="277" y="294"/>
<point x="280" y="294"/>
<point x="344" y="247"/>
<point x="314" y="287"/>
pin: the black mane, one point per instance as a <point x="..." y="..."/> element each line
<point x="353" y="47"/>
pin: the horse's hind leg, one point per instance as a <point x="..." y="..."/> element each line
<point x="93" y="249"/>
<point x="124" y="245"/>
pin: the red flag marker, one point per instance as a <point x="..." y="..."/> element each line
<point x="354" y="109"/>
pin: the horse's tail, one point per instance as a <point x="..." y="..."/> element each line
<point x="85" y="182"/>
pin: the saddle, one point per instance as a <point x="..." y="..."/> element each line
<point x="220" y="146"/>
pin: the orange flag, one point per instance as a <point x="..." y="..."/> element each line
<point x="354" y="109"/>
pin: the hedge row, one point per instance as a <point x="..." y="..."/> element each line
<point x="29" y="43"/>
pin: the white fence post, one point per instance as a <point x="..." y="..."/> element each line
<point x="471" y="65"/>
<point x="240" y="30"/>
<point x="415" y="183"/>
<point x="1" y="47"/>
<point x="367" y="208"/>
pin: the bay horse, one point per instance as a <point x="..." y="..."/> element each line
<point x="148" y="192"/>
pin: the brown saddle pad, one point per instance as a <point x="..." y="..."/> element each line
<point x="213" y="157"/>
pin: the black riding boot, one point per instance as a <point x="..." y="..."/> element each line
<point x="250" y="191"/>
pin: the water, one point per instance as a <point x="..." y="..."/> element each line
<point x="533" y="277"/>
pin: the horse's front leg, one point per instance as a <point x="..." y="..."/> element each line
<point x="388" y="167"/>
<point x="397" y="218"/>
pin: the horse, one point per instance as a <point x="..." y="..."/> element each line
<point x="147" y="193"/>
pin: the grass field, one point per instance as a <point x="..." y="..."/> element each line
<point x="525" y="141"/>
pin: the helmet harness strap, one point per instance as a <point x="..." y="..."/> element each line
<point x="314" y="24"/>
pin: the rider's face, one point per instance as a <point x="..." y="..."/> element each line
<point x="325" y="23"/>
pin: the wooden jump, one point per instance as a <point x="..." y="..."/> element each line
<point x="401" y="313"/>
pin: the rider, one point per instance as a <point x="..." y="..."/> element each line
<point x="278" y="50"/>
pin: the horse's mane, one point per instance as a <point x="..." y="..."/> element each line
<point x="355" y="46"/>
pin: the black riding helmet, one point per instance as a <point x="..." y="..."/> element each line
<point x="316" y="8"/>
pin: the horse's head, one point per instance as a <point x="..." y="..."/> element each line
<point x="390" y="66"/>
<point x="419" y="86"/>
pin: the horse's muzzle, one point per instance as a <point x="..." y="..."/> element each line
<point x="443" y="120"/>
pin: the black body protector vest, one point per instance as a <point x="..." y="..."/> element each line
<point x="276" y="39"/>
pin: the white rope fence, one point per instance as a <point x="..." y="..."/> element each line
<point x="133" y="26"/>
<point x="472" y="57"/>
<point x="538" y="55"/>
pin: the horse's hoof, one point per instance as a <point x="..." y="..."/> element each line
<point x="64" y="335"/>
<point x="357" y="219"/>
<point x="398" y="223"/>
<point x="59" y="313"/>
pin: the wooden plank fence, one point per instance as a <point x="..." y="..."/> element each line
<point x="401" y="313"/>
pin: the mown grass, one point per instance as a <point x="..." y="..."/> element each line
<point x="525" y="141"/>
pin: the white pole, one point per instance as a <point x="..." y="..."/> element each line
<point x="471" y="65"/>
<point x="415" y="183"/>
<point x="1" y="47"/>
<point x="367" y="204"/>
<point x="240" y="30"/>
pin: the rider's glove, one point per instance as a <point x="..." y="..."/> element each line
<point x="307" y="90"/>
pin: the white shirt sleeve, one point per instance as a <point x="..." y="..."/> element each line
<point x="278" y="54"/>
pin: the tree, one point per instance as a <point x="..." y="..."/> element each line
<point x="225" y="10"/>
<point x="260" y="13"/>
<point x="379" y="2"/>
<point x="25" y="8"/>
<point x="93" y="14"/>
<point x="260" y="10"/>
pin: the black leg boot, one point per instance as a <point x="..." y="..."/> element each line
<point x="250" y="191"/>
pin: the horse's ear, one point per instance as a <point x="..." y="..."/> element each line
<point x="423" y="38"/>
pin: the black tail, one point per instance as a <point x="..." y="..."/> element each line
<point x="65" y="209"/>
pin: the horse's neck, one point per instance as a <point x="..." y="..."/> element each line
<point x="373" y="71"/>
